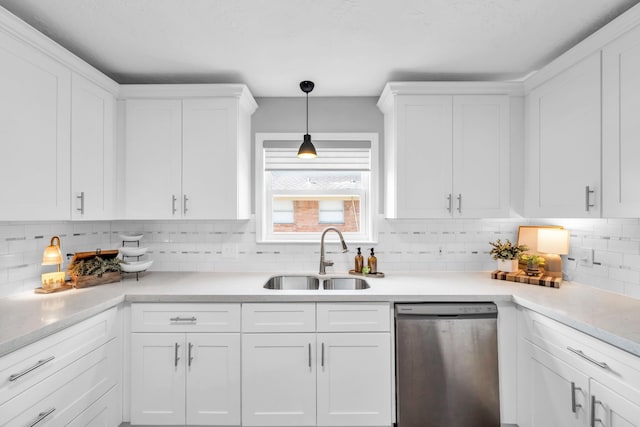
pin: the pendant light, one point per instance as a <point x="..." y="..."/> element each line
<point x="307" y="150"/>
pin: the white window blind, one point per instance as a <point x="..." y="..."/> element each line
<point x="331" y="156"/>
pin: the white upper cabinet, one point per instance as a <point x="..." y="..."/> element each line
<point x="35" y="108"/>
<point x="92" y="151"/>
<point x="621" y="126"/>
<point x="564" y="141"/>
<point x="419" y="157"/>
<point x="152" y="159"/>
<point x="187" y="152"/>
<point x="445" y="155"/>
<point x="215" y="160"/>
<point x="481" y="156"/>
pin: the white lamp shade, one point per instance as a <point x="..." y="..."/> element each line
<point x="553" y="241"/>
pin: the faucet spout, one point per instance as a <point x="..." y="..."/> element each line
<point x="324" y="263"/>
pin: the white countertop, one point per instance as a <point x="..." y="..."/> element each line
<point x="613" y="318"/>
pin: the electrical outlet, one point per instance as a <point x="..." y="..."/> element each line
<point x="586" y="258"/>
<point x="229" y="251"/>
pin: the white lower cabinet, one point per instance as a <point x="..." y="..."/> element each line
<point x="57" y="380"/>
<point x="354" y="379"/>
<point x="279" y="379"/>
<point x="569" y="379"/>
<point x="185" y="378"/>
<point x="304" y="378"/>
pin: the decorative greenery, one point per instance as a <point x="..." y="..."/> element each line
<point x="532" y="259"/>
<point x="95" y="266"/>
<point x="506" y="250"/>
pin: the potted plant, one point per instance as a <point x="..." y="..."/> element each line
<point x="506" y="254"/>
<point x="533" y="262"/>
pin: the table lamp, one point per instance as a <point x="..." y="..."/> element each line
<point x="553" y="242"/>
<point x="53" y="256"/>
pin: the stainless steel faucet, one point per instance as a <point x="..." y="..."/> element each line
<point x="324" y="263"/>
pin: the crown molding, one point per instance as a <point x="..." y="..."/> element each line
<point x="25" y="33"/>
<point x="592" y="44"/>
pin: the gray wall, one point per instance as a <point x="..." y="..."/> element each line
<point x="328" y="114"/>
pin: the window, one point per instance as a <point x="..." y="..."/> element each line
<point x="298" y="198"/>
<point x="332" y="211"/>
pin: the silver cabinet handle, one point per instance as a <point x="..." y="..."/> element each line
<point x="587" y="196"/>
<point x="184" y="204"/>
<point x="450" y="203"/>
<point x="174" y="199"/>
<point x="32" y="368"/>
<point x="41" y="416"/>
<point x="594" y="420"/>
<point x="190" y="357"/>
<point x="309" y="355"/>
<point x="81" y="208"/>
<point x="175" y="355"/>
<point x="322" y="355"/>
<point x="459" y="203"/>
<point x="574" y="405"/>
<point x="183" y="319"/>
<point x="590" y="359"/>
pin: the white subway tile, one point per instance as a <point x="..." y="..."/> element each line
<point x="632" y="261"/>
<point x="626" y="246"/>
<point x="622" y="275"/>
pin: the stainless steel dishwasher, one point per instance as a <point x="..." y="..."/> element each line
<point x="447" y="365"/>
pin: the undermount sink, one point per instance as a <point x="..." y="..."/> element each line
<point x="293" y="283"/>
<point x="345" y="283"/>
<point x="311" y="283"/>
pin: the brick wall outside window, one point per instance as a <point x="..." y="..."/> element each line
<point x="305" y="214"/>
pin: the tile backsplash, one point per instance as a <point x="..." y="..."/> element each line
<point x="403" y="245"/>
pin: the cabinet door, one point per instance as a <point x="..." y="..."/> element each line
<point x="278" y="379"/>
<point x="153" y="159"/>
<point x="35" y="108"/>
<point x="210" y="161"/>
<point x="481" y="156"/>
<point x="157" y="378"/>
<point x="621" y="127"/>
<point x="549" y="392"/>
<point x="92" y="151"/>
<point x="354" y="379"/>
<point x="611" y="409"/>
<point x="563" y="147"/>
<point x="423" y="166"/>
<point x="213" y="379"/>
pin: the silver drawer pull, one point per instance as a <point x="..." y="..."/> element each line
<point x="34" y="367"/>
<point x="183" y="319"/>
<point x="584" y="356"/>
<point x="41" y="416"/>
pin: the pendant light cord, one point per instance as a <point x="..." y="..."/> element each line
<point x="307" y="113"/>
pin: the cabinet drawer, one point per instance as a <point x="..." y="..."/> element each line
<point x="185" y="317"/>
<point x="63" y="396"/>
<point x="591" y="355"/>
<point x="29" y="365"/>
<point x="104" y="412"/>
<point x="275" y="317"/>
<point x="359" y="317"/>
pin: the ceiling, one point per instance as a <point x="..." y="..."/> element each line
<point x="347" y="47"/>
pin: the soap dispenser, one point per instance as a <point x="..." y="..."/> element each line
<point x="359" y="262"/>
<point x="372" y="262"/>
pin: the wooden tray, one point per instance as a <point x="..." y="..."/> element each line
<point x="54" y="290"/>
<point x="86" y="281"/>
<point x="376" y="274"/>
<point x="521" y="277"/>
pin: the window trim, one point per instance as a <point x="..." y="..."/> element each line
<point x="371" y="199"/>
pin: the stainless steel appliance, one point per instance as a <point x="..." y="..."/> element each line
<point x="447" y="365"/>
